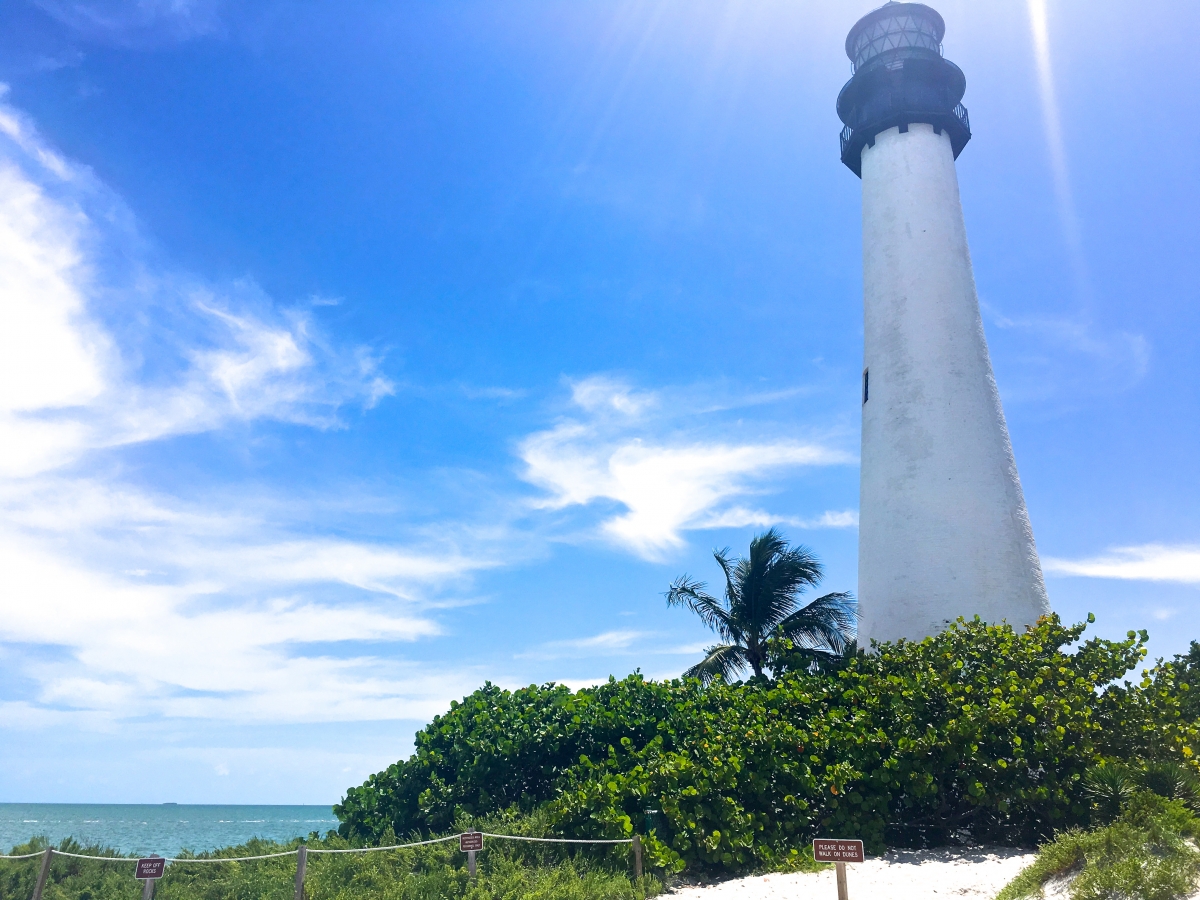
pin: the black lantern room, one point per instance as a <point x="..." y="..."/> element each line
<point x="900" y="77"/>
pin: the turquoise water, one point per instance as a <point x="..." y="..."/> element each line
<point x="164" y="829"/>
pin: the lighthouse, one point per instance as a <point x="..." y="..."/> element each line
<point x="943" y="528"/>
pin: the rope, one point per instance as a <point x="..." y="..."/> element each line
<point x="224" y="859"/>
<point x="102" y="858"/>
<point x="178" y="859"/>
<point x="513" y="837"/>
<point x="221" y="859"/>
<point x="392" y="847"/>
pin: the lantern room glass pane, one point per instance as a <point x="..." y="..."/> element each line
<point x="899" y="32"/>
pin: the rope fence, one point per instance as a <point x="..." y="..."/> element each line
<point x="469" y="842"/>
<point x="514" y="837"/>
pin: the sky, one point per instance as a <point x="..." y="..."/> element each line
<point x="354" y="354"/>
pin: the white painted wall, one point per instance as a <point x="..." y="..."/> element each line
<point x="943" y="526"/>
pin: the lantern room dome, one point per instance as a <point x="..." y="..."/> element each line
<point x="895" y="30"/>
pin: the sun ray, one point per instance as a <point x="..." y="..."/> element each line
<point x="1052" y="119"/>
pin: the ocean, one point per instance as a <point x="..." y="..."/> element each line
<point x="164" y="829"/>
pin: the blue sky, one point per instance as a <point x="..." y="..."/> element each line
<point x="356" y="353"/>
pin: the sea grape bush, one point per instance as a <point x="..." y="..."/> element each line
<point x="498" y="749"/>
<point x="980" y="730"/>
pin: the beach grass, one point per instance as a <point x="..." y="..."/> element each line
<point x="1148" y="853"/>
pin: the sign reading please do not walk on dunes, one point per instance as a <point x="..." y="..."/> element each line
<point x="839" y="852"/>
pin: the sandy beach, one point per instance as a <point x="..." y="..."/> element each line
<point x="978" y="874"/>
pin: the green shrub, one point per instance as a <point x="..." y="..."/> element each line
<point x="1111" y="785"/>
<point x="499" y="749"/>
<point x="979" y="730"/>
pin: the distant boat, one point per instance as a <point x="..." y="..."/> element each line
<point x="170" y="804"/>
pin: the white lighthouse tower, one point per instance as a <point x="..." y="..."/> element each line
<point x="943" y="527"/>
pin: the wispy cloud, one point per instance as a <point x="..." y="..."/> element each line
<point x="136" y="22"/>
<point x="191" y="650"/>
<point x="1148" y="562"/>
<point x="740" y="517"/>
<point x="1071" y="356"/>
<point x="668" y="484"/>
<point x="69" y="385"/>
<point x="121" y="602"/>
<point x="604" y="644"/>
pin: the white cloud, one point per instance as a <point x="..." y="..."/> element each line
<point x="689" y="649"/>
<point x="185" y="646"/>
<point x="602" y="644"/>
<point x="740" y="517"/>
<point x="1070" y="357"/>
<point x="66" y="387"/>
<point x="118" y="602"/>
<point x="601" y="394"/>
<point x="47" y="360"/>
<point x="667" y="484"/>
<point x="136" y="22"/>
<point x="1149" y="562"/>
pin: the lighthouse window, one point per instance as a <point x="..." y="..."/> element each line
<point x="866" y="385"/>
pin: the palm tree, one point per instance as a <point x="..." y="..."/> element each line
<point x="762" y="603"/>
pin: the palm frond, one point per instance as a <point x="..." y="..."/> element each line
<point x="733" y="584"/>
<point x="773" y="576"/>
<point x="725" y="660"/>
<point x="829" y="622"/>
<point x="686" y="592"/>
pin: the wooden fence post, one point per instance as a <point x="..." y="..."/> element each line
<point x="637" y="856"/>
<point x="843" y="890"/>
<point x="301" y="869"/>
<point x="43" y="874"/>
<point x="148" y="888"/>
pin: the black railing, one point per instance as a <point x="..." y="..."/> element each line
<point x="852" y="142"/>
<point x="960" y="113"/>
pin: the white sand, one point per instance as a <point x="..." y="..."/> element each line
<point x="900" y="875"/>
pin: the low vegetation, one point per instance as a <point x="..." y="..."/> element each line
<point x="981" y="732"/>
<point x="1147" y="853"/>
<point x="509" y="870"/>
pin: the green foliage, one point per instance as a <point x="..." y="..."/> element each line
<point x="980" y="730"/>
<point x="70" y="879"/>
<point x="1148" y="853"/>
<point x="1109" y="786"/>
<point x="1172" y="780"/>
<point x="1112" y="784"/>
<point x="509" y="870"/>
<point x="1186" y="667"/>
<point x="499" y="749"/>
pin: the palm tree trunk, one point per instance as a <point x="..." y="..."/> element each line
<point x="754" y="656"/>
